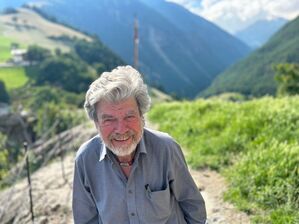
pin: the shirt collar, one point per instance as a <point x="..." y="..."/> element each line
<point x="103" y="152"/>
<point x="141" y="145"/>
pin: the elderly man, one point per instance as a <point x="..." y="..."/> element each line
<point x="128" y="173"/>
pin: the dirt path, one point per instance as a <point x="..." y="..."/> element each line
<point x="212" y="186"/>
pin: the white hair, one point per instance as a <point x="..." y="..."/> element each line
<point x="120" y="84"/>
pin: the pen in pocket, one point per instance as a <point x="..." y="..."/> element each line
<point x="148" y="191"/>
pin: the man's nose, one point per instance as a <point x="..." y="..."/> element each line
<point x="121" y="127"/>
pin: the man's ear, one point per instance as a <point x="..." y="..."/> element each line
<point x="143" y="120"/>
<point x="96" y="125"/>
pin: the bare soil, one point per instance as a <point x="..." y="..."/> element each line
<point x="212" y="186"/>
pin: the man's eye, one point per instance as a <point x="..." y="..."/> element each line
<point x="130" y="117"/>
<point x="108" y="121"/>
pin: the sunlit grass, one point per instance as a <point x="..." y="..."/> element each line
<point x="5" y="44"/>
<point x="254" y="144"/>
<point x="13" y="77"/>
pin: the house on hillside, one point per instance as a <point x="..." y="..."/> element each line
<point x="18" y="56"/>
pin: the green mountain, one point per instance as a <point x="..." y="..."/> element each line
<point x="254" y="75"/>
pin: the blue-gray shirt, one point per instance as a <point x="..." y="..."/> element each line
<point x="159" y="189"/>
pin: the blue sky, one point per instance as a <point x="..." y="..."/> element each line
<point x="234" y="15"/>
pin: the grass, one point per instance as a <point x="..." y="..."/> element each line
<point x="254" y="144"/>
<point x="13" y="77"/>
<point x="5" y="44"/>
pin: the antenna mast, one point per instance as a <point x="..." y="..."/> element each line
<point x="136" y="43"/>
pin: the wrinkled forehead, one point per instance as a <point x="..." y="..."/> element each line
<point x="128" y="106"/>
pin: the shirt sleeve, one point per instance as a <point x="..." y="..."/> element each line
<point x="84" y="208"/>
<point x="185" y="190"/>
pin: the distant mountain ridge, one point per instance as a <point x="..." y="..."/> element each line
<point x="181" y="59"/>
<point x="254" y="74"/>
<point x="258" y="33"/>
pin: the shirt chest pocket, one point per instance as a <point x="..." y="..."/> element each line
<point x="157" y="206"/>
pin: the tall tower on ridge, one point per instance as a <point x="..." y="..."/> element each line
<point x="136" y="43"/>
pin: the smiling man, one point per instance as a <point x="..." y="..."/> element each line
<point x="128" y="173"/>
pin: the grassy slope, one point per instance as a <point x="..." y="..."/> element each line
<point x="13" y="77"/>
<point x="255" y="144"/>
<point x="31" y="28"/>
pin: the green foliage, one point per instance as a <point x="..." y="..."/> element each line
<point x="4" y="160"/>
<point x="57" y="118"/>
<point x="40" y="95"/>
<point x="5" y="44"/>
<point x="97" y="54"/>
<point x="254" y="75"/>
<point x="255" y="144"/>
<point x="268" y="177"/>
<point x="37" y="54"/>
<point x="66" y="71"/>
<point x="287" y="76"/>
<point x="4" y="97"/>
<point x="13" y="77"/>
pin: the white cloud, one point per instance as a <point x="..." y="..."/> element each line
<point x="233" y="15"/>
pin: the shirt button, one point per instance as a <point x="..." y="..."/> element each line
<point x="132" y="214"/>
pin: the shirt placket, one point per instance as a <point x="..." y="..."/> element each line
<point x="131" y="201"/>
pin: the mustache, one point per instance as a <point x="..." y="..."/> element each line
<point x="122" y="137"/>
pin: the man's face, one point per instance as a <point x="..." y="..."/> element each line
<point x="120" y="125"/>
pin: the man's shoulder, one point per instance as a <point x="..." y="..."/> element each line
<point x="161" y="144"/>
<point x="89" y="147"/>
<point x="158" y="137"/>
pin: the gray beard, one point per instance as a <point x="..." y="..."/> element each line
<point x="124" y="151"/>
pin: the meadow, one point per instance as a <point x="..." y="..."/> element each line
<point x="254" y="144"/>
<point x="5" y="44"/>
<point x="13" y="77"/>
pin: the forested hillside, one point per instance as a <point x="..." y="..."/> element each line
<point x="254" y="75"/>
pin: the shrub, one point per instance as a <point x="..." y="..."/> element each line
<point x="64" y="116"/>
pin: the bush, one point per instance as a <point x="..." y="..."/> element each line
<point x="65" y="71"/>
<point x="64" y="116"/>
<point x="97" y="54"/>
<point x="37" y="54"/>
<point x="47" y="94"/>
<point x="4" y="97"/>
<point x="287" y="76"/>
<point x="4" y="157"/>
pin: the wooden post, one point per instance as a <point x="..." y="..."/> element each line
<point x="29" y="181"/>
